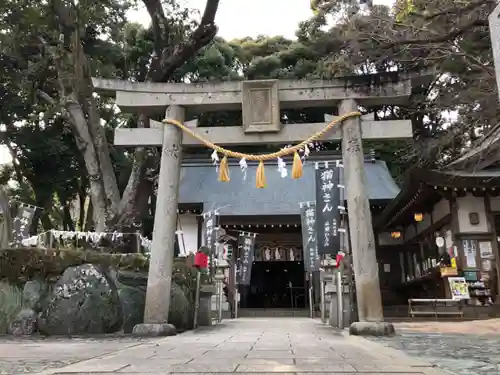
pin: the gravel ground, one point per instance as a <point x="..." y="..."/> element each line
<point x="462" y="348"/>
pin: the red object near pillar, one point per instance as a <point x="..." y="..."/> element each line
<point x="201" y="260"/>
<point x="340" y="256"/>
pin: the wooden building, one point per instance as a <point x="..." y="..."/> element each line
<point x="462" y="209"/>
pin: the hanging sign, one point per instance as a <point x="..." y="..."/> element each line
<point x="312" y="260"/>
<point x="21" y="223"/>
<point x="246" y="243"/>
<point x="210" y="230"/>
<point x="327" y="209"/>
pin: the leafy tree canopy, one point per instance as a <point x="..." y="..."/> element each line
<point x="51" y="120"/>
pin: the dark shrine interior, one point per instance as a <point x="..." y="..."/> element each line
<point x="275" y="285"/>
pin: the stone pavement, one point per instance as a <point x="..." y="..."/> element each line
<point x="463" y="348"/>
<point x="243" y="346"/>
<point x="35" y="354"/>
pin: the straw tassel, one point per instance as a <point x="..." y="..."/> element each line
<point x="224" y="170"/>
<point x="297" y="166"/>
<point x="260" y="180"/>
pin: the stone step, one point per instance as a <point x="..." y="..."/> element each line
<point x="265" y="313"/>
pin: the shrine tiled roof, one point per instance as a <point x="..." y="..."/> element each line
<point x="425" y="187"/>
<point x="239" y="196"/>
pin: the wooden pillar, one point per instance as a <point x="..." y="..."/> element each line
<point x="365" y="265"/>
<point x="494" y="244"/>
<point x="165" y="224"/>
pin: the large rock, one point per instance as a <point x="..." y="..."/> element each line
<point x="24" y="324"/>
<point x="33" y="293"/>
<point x="84" y="300"/>
<point x="132" y="301"/>
<point x="132" y="293"/>
<point x="181" y="308"/>
<point x="131" y="278"/>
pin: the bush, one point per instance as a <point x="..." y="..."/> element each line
<point x="11" y="302"/>
<point x="26" y="263"/>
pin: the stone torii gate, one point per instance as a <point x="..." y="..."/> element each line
<point x="260" y="102"/>
<point x="494" y="22"/>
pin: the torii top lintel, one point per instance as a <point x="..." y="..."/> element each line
<point x="153" y="98"/>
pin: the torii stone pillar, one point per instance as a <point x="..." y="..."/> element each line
<point x="368" y="297"/>
<point x="494" y="21"/>
<point x="165" y="224"/>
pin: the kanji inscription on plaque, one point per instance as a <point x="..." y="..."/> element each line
<point x="261" y="111"/>
<point x="260" y="106"/>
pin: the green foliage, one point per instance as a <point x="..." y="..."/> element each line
<point x="450" y="35"/>
<point x="11" y="298"/>
<point x="19" y="264"/>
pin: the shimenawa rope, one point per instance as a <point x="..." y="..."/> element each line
<point x="260" y="178"/>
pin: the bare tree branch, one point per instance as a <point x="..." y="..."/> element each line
<point x="170" y="61"/>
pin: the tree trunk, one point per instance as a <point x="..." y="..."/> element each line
<point x="81" y="109"/>
<point x="85" y="144"/>
<point x="6" y="222"/>
<point x="89" y="220"/>
<point x="81" y="214"/>
<point x="67" y="220"/>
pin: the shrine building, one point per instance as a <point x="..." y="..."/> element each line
<point x="458" y="209"/>
<point x="273" y="213"/>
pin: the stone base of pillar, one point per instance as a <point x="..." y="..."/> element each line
<point x="205" y="309"/>
<point x="154" y="330"/>
<point x="372" y="329"/>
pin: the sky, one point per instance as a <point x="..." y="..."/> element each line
<point x="241" y="18"/>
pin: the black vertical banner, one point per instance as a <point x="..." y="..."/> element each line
<point x="21" y="223"/>
<point x="210" y="229"/>
<point x="327" y="209"/>
<point x="246" y="243"/>
<point x="312" y="260"/>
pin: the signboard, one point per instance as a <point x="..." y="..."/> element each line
<point x="327" y="210"/>
<point x="21" y="223"/>
<point x="312" y="260"/>
<point x="448" y="271"/>
<point x="459" y="288"/>
<point x="246" y="243"/>
<point x="210" y="230"/>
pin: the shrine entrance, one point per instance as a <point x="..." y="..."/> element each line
<point x="279" y="285"/>
<point x="278" y="278"/>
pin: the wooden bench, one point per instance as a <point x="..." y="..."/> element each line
<point x="433" y="304"/>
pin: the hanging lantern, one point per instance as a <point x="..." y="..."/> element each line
<point x="396" y="234"/>
<point x="418" y="217"/>
<point x="340" y="256"/>
<point x="201" y="260"/>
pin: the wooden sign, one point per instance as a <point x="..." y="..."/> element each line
<point x="448" y="271"/>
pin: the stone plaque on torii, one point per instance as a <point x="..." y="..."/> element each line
<point x="260" y="102"/>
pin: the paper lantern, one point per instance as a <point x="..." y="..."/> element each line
<point x="201" y="260"/>
<point x="418" y="217"/>
<point x="396" y="234"/>
<point x="340" y="257"/>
